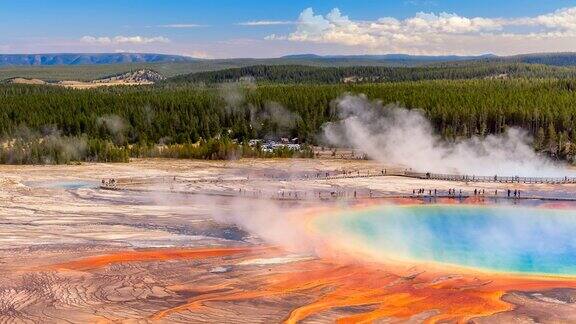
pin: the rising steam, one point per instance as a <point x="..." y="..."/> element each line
<point x="270" y="121"/>
<point x="395" y="135"/>
<point x="47" y="146"/>
<point x="266" y="220"/>
<point x="114" y="125"/>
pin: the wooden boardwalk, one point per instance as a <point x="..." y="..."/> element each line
<point x="171" y="183"/>
<point x="495" y="178"/>
<point x="347" y="195"/>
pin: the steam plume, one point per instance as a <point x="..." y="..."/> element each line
<point x="276" y="120"/>
<point x="270" y="121"/>
<point x="395" y="135"/>
<point x="114" y="124"/>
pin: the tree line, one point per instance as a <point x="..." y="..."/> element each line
<point x="112" y="124"/>
<point x="365" y="74"/>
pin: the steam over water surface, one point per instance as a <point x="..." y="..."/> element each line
<point x="508" y="239"/>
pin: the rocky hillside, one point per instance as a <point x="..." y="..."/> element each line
<point x="138" y="77"/>
<point x="141" y="76"/>
<point x="23" y="81"/>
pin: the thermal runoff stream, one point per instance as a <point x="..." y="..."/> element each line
<point x="497" y="238"/>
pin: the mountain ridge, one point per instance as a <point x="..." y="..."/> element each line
<point x="390" y="57"/>
<point x="52" y="59"/>
<point x="87" y="59"/>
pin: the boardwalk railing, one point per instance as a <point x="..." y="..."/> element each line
<point x="495" y="178"/>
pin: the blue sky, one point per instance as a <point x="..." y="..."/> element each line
<point x="227" y="28"/>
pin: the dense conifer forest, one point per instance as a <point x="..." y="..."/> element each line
<point x="365" y="74"/>
<point x="48" y="124"/>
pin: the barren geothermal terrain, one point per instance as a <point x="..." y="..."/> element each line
<point x="286" y="240"/>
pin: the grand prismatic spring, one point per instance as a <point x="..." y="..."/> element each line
<point x="172" y="246"/>
<point x="515" y="239"/>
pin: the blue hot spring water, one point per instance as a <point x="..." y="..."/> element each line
<point x="66" y="185"/>
<point x="506" y="239"/>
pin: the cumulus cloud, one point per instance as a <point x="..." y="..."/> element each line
<point x="197" y="54"/>
<point x="266" y="23"/>
<point x="120" y="50"/>
<point x="432" y="32"/>
<point x="562" y="20"/>
<point x="138" y="40"/>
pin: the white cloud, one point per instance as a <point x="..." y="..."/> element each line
<point x="96" y="40"/>
<point x="266" y="23"/>
<point x="434" y="33"/>
<point x="119" y="50"/>
<point x="275" y="37"/>
<point x="138" y="40"/>
<point x="563" y="19"/>
<point x="197" y="54"/>
<point x="182" y="26"/>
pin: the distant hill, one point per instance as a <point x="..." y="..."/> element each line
<point x="23" y="81"/>
<point x="556" y="59"/>
<point x="139" y="76"/>
<point x="359" y="74"/>
<point x="306" y="59"/>
<point x="87" y="59"/>
<point x="388" y="59"/>
<point x="88" y="67"/>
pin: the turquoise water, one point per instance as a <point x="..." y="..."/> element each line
<point x="509" y="239"/>
<point x="67" y="185"/>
